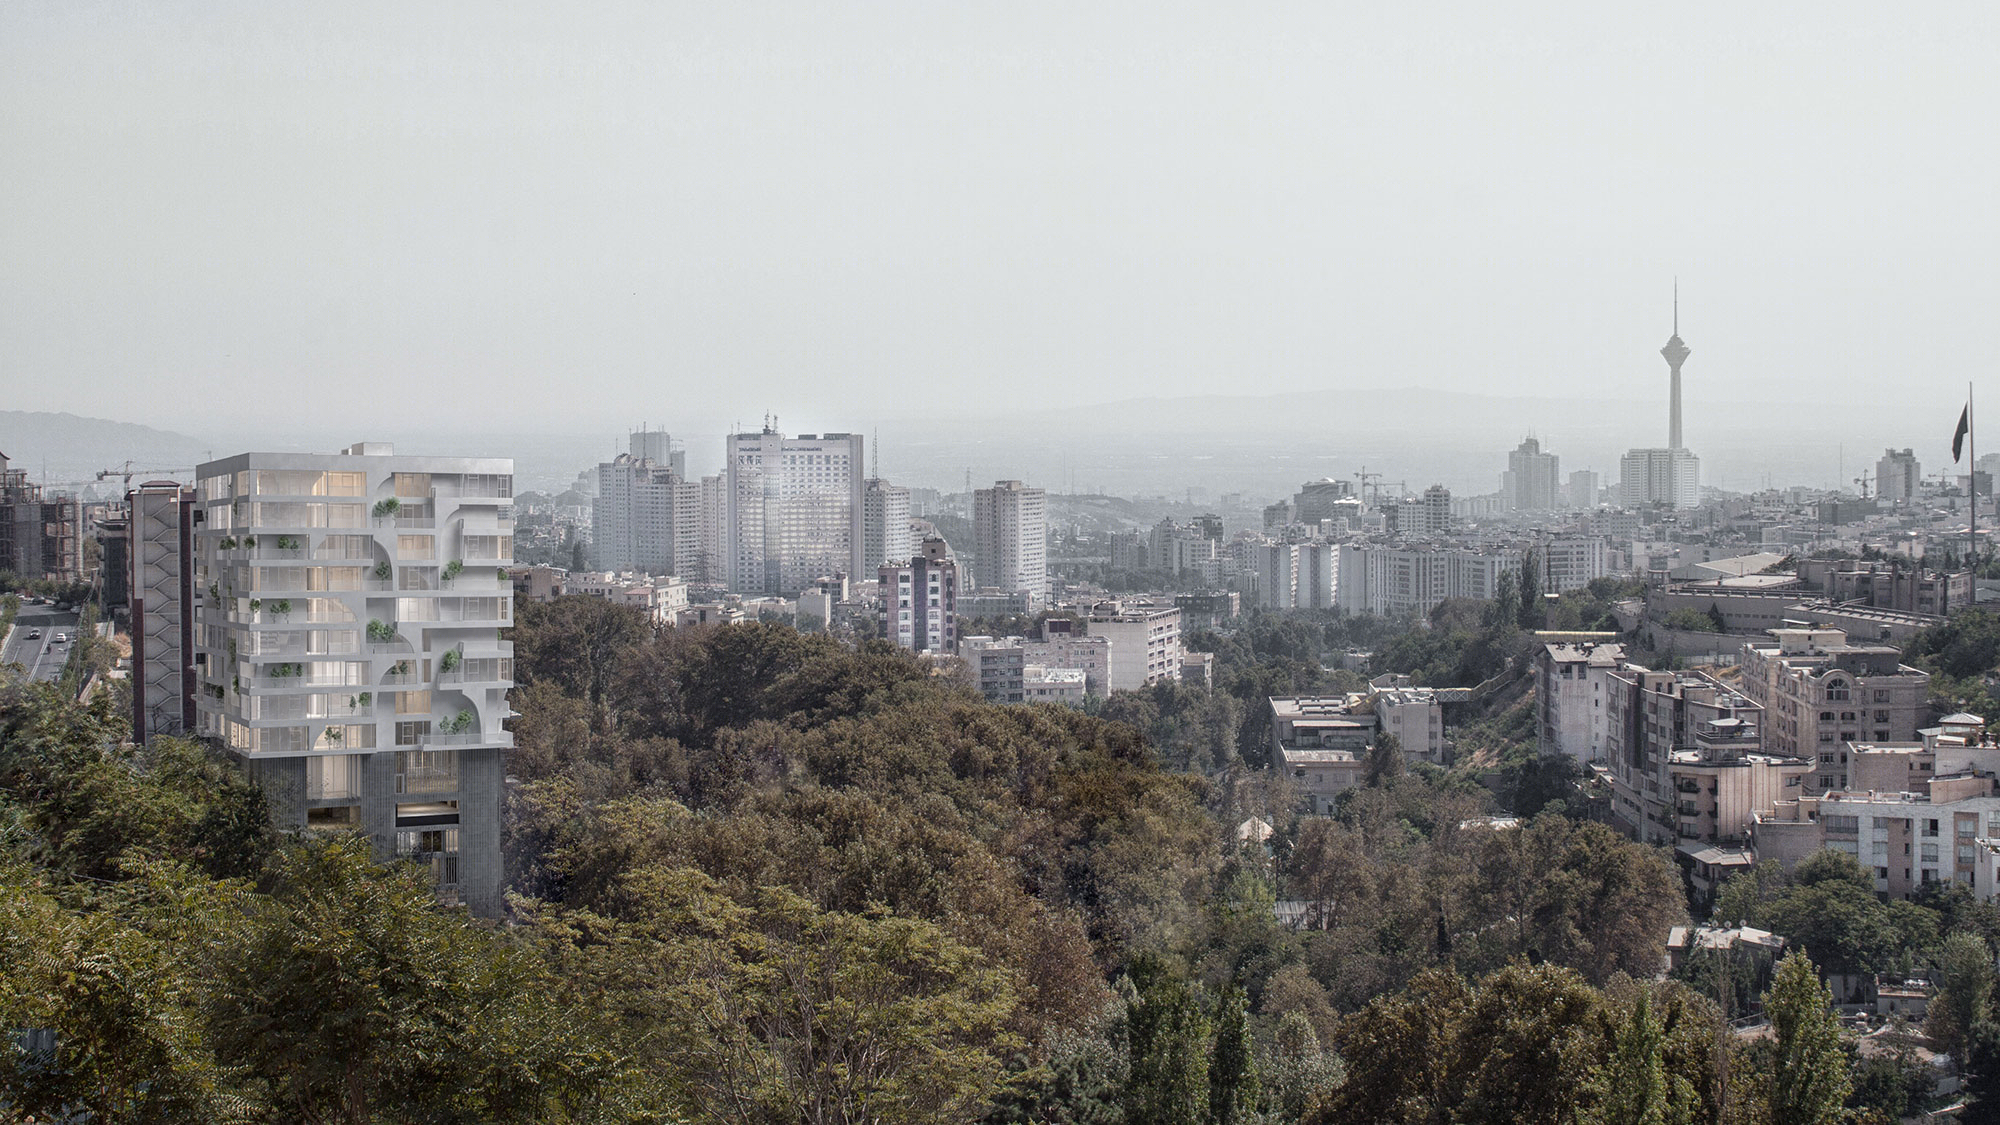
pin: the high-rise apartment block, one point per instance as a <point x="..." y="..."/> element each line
<point x="38" y="535"/>
<point x="795" y="510"/>
<point x="1010" y="538"/>
<point x="885" y="524"/>
<point x="1897" y="475"/>
<point x="1582" y="490"/>
<point x="160" y="593"/>
<point x="348" y="649"/>
<point x="1533" y="478"/>
<point x="920" y="599"/>
<point x="647" y="516"/>
<point x="1666" y="477"/>
<point x="1297" y="575"/>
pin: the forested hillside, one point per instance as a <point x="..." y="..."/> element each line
<point x="760" y="877"/>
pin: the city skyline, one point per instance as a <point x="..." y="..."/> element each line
<point x="243" y="203"/>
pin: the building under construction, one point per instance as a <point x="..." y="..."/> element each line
<point x="38" y="536"/>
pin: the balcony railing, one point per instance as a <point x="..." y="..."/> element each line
<point x="470" y="738"/>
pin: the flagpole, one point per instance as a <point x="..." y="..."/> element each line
<point x="1972" y="491"/>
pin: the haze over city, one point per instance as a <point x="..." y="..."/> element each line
<point x="1288" y="564"/>
<point x="914" y="218"/>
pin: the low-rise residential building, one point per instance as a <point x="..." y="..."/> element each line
<point x="1208" y="608"/>
<point x="539" y="583"/>
<point x="710" y="613"/>
<point x="1818" y="692"/>
<point x="1948" y="831"/>
<point x="997" y="667"/>
<point x="660" y="597"/>
<point x="1572" y="562"/>
<point x="1043" y="684"/>
<point x="1322" y="745"/>
<point x="1416" y="718"/>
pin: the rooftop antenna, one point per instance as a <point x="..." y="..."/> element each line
<point x="1677" y="304"/>
<point x="877" y="471"/>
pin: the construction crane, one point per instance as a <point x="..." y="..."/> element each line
<point x="1863" y="482"/>
<point x="1364" y="476"/>
<point x="126" y="472"/>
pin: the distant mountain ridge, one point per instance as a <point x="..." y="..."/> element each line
<point x="68" y="448"/>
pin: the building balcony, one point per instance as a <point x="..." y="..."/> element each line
<point x="471" y="738"/>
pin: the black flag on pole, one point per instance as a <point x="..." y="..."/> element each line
<point x="1958" y="435"/>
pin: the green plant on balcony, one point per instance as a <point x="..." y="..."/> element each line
<point x="332" y="734"/>
<point x="214" y="592"/>
<point x="363" y="700"/>
<point x="450" y="661"/>
<point x="236" y="684"/>
<point x="382" y="571"/>
<point x="381" y="632"/>
<point x="228" y="543"/>
<point x="288" y="543"/>
<point x="256" y="604"/>
<point x="282" y="607"/>
<point x="387" y="507"/>
<point x="249" y="540"/>
<point x="451" y="570"/>
<point x="459" y="725"/>
<point x="501" y="574"/>
<point x="232" y="650"/>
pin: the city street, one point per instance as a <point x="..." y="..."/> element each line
<point x="42" y="656"/>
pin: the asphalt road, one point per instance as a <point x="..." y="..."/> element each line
<point x="41" y="656"/>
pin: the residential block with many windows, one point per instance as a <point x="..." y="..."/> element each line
<point x="1819" y="693"/>
<point x="349" y="651"/>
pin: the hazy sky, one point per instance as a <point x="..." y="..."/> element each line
<point x="599" y="213"/>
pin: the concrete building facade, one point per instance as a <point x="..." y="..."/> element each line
<point x="160" y="591"/>
<point x="1533" y="478"/>
<point x="885" y="524"/>
<point x="920" y="600"/>
<point x="1144" y="641"/>
<point x="1819" y="693"/>
<point x="795" y="510"/>
<point x="1011" y="538"/>
<point x="347" y="646"/>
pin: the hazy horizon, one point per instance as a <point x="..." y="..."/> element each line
<point x="249" y="216"/>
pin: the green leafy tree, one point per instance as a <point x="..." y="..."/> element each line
<point x="1633" y="1086"/>
<point x="1530" y="578"/>
<point x="1167" y="1045"/>
<point x="1234" y="1095"/>
<point x="1982" y="1076"/>
<point x="1385" y="759"/>
<point x="1964" y="999"/>
<point x="1808" y="1083"/>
